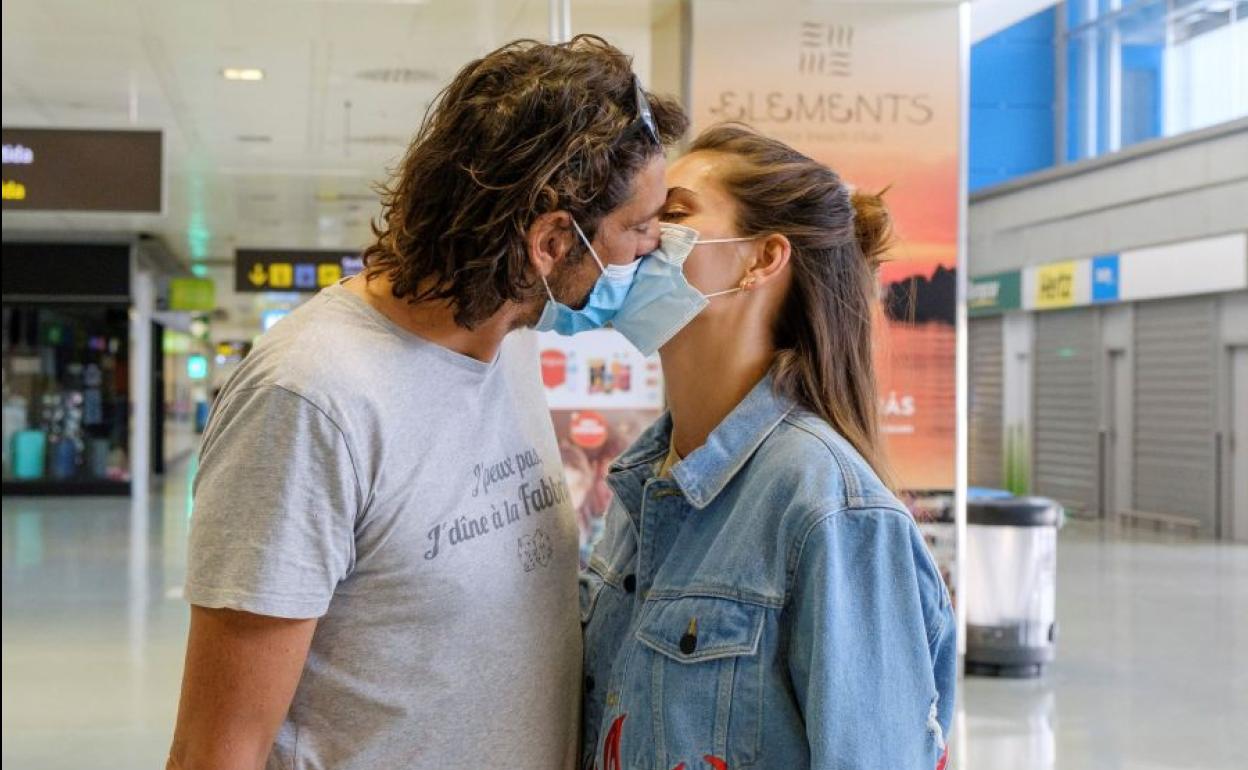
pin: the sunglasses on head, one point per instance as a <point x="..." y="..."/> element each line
<point x="644" y="121"/>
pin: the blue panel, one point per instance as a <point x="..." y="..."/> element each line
<point x="1012" y="99"/>
<point x="1019" y="139"/>
<point x="1142" y="96"/>
<point x="1105" y="278"/>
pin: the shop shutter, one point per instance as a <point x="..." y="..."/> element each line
<point x="1066" y="407"/>
<point x="1174" y="408"/>
<point x="987" y="403"/>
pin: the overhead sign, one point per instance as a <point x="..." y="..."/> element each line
<point x="1204" y="266"/>
<point x="292" y="270"/>
<point x="192" y="294"/>
<point x="1105" y="278"/>
<point x="1208" y="265"/>
<point x="55" y="169"/>
<point x="992" y="294"/>
<point x="1057" y="285"/>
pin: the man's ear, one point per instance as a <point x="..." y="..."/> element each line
<point x="550" y="239"/>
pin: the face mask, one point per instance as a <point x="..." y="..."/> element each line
<point x="604" y="301"/>
<point x="662" y="301"/>
<point x="726" y="240"/>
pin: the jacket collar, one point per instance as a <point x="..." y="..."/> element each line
<point x="708" y="469"/>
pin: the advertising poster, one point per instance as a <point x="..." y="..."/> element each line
<point x="602" y="394"/>
<point x="872" y="90"/>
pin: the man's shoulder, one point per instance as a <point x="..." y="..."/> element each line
<point x="309" y="355"/>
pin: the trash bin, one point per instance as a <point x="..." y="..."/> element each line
<point x="1011" y="570"/>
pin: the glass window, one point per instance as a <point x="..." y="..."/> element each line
<point x="1207" y="62"/>
<point x="1149" y="68"/>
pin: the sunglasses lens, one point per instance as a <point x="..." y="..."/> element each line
<point x="644" y="114"/>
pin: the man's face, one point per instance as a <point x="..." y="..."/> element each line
<point x="626" y="234"/>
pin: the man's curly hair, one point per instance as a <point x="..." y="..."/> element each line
<point x="528" y="129"/>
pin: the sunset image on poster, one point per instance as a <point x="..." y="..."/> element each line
<point x="873" y="92"/>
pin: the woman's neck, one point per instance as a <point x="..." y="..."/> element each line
<point x="706" y="380"/>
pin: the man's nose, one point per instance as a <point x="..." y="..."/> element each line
<point x="650" y="241"/>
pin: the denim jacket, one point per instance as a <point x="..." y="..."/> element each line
<point x="768" y="605"/>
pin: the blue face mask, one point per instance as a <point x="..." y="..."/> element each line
<point x="662" y="301"/>
<point x="651" y="305"/>
<point x="604" y="301"/>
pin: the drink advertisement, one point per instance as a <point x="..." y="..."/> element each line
<point x="602" y="394"/>
<point x="871" y="90"/>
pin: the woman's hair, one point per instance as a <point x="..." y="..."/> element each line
<point x="824" y="332"/>
<point x="528" y="129"/>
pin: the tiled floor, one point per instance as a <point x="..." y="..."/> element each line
<point x="1152" y="670"/>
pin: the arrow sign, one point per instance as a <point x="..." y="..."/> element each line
<point x="291" y="270"/>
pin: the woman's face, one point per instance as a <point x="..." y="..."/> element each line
<point x="697" y="199"/>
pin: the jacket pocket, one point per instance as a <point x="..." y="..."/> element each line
<point x="705" y="678"/>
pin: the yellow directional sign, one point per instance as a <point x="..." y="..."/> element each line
<point x="281" y="275"/>
<point x="328" y="274"/>
<point x="292" y="270"/>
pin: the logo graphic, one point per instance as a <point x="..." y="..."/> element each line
<point x="825" y="49"/>
<point x="535" y="550"/>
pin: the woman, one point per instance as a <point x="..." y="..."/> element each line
<point x="760" y="599"/>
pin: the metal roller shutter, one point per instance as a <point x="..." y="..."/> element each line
<point x="1066" y="404"/>
<point x="1174" y="408"/>
<point x="987" y="402"/>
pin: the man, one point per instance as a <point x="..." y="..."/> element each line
<point x="383" y="557"/>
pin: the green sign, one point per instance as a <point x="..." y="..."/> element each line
<point x="194" y="294"/>
<point x="992" y="294"/>
<point x="197" y="367"/>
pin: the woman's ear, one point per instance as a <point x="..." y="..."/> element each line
<point x="770" y="261"/>
<point x="550" y="239"/>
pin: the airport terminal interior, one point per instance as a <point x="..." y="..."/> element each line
<point x="1063" y="341"/>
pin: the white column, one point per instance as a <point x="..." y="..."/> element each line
<point x="961" y="365"/>
<point x="143" y="298"/>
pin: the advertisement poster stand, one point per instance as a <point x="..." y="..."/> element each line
<point x="877" y="92"/>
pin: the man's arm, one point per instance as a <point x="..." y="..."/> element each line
<point x="241" y="672"/>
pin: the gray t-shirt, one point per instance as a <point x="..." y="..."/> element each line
<point x="413" y="500"/>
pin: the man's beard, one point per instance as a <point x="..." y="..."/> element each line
<point x="560" y="280"/>
<point x="567" y="276"/>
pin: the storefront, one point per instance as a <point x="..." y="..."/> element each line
<point x="1116" y="384"/>
<point x="72" y="361"/>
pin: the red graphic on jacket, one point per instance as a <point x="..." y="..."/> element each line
<point x="611" y="746"/>
<point x="715" y="762"/>
<point x="611" y="750"/>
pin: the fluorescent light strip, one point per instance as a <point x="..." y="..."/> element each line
<point x="243" y="73"/>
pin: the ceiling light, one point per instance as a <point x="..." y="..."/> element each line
<point x="242" y="73"/>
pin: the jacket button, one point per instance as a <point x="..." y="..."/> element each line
<point x="630" y="583"/>
<point x="589" y="684"/>
<point x="689" y="642"/>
